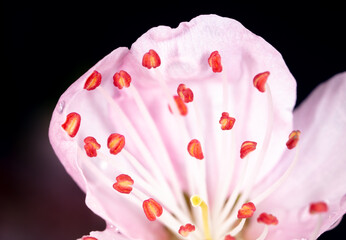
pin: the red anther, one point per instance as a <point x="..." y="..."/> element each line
<point x="293" y="139"/>
<point x="89" y="238"/>
<point x="267" y="219"/>
<point x="123" y="184"/>
<point x="151" y="59"/>
<point x="72" y="124"/>
<point x="195" y="149"/>
<point x="121" y="79"/>
<point x="180" y="105"/>
<point x="93" y="81"/>
<point x="247" y="210"/>
<point x="318" y="207"/>
<point x="185" y="93"/>
<point x="115" y="143"/>
<point x="186" y="230"/>
<point x="152" y="209"/>
<point x="259" y="81"/>
<point x="91" y="146"/>
<point x="246" y="148"/>
<point x="229" y="237"/>
<point x="226" y="121"/>
<point x="215" y="61"/>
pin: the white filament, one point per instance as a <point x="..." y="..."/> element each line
<point x="163" y="151"/>
<point x="264" y="233"/>
<point x="279" y="182"/>
<point x="317" y="228"/>
<point x="238" y="228"/>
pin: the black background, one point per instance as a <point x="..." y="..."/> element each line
<point x="45" y="47"/>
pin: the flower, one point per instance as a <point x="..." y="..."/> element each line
<point x="191" y="134"/>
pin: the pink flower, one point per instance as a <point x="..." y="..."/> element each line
<point x="191" y="133"/>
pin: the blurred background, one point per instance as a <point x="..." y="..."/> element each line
<point x="46" y="47"/>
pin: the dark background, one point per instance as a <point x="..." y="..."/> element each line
<point x="45" y="47"/>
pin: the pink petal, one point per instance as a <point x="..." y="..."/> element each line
<point x="184" y="54"/>
<point x="320" y="172"/>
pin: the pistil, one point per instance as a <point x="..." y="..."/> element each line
<point x="197" y="201"/>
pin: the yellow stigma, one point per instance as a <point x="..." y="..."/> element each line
<point x="197" y="201"/>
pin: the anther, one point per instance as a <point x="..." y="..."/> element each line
<point x="229" y="237"/>
<point x="180" y="105"/>
<point x="246" y="148"/>
<point x="93" y="81"/>
<point x="152" y="209"/>
<point x="89" y="238"/>
<point x="123" y="184"/>
<point x="226" y="121"/>
<point x="293" y="139"/>
<point x="197" y="201"/>
<point x="72" y="124"/>
<point x="185" y="93"/>
<point x="195" y="149"/>
<point x="268" y="219"/>
<point x="151" y="59"/>
<point x="91" y="146"/>
<point x="115" y="143"/>
<point x="214" y="61"/>
<point x="247" y="210"/>
<point x="260" y="80"/>
<point x="186" y="229"/>
<point x="121" y="79"/>
<point x="318" y="207"/>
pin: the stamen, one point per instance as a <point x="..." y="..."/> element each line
<point x="195" y="149"/>
<point x="246" y="148"/>
<point x="72" y="124"/>
<point x="115" y="143"/>
<point x="152" y="209"/>
<point x="247" y="210"/>
<point x="214" y="61"/>
<point x="121" y="79"/>
<point x="93" y="81"/>
<point x="197" y="201"/>
<point x="186" y="230"/>
<point x="180" y="105"/>
<point x="226" y="121"/>
<point x="260" y="80"/>
<point x="151" y="59"/>
<point x="317" y="208"/>
<point x="91" y="146"/>
<point x="123" y="184"/>
<point x="185" y="93"/>
<point x="293" y="139"/>
<point x="268" y="219"/>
